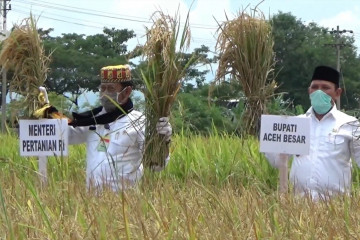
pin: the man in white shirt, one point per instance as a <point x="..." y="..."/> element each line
<point x="114" y="133"/>
<point x="334" y="141"/>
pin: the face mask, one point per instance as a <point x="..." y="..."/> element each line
<point x="320" y="101"/>
<point x="109" y="104"/>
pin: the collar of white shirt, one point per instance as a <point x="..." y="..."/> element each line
<point x="340" y="117"/>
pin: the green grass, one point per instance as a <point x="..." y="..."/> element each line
<point x="216" y="187"/>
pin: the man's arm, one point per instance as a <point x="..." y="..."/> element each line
<point x="355" y="143"/>
<point x="77" y="135"/>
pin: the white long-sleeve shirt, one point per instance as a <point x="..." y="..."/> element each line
<point x="334" y="141"/>
<point x="114" y="155"/>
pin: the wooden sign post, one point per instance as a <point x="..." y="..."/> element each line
<point x="43" y="169"/>
<point x="286" y="135"/>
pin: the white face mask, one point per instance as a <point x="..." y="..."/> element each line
<point x="107" y="100"/>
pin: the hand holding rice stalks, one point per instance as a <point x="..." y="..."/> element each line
<point x="46" y="110"/>
<point x="163" y="76"/>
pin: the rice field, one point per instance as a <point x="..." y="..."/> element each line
<point x="216" y="187"/>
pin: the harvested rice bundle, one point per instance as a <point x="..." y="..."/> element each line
<point x="246" y="52"/>
<point x="24" y="55"/>
<point x="163" y="51"/>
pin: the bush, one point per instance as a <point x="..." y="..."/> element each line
<point x="193" y="113"/>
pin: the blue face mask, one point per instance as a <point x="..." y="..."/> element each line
<point x="320" y="101"/>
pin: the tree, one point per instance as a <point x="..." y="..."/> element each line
<point x="196" y="72"/>
<point x="350" y="82"/>
<point x="77" y="59"/>
<point x="192" y="112"/>
<point x="300" y="48"/>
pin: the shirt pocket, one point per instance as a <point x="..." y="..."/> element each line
<point x="121" y="142"/>
<point x="332" y="142"/>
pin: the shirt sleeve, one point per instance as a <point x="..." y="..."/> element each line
<point x="355" y="143"/>
<point x="77" y="135"/>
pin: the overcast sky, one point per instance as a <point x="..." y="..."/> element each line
<point x="90" y="16"/>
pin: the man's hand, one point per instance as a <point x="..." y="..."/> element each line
<point x="163" y="127"/>
<point x="43" y="97"/>
<point x="46" y="110"/>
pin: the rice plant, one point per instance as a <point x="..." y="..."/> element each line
<point x="215" y="187"/>
<point x="23" y="54"/>
<point x="245" y="45"/>
<point x="166" y="42"/>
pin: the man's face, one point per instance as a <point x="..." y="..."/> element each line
<point x="328" y="87"/>
<point x="112" y="94"/>
<point x="110" y="88"/>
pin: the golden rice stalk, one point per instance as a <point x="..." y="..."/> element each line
<point x="246" y="52"/>
<point x="24" y="55"/>
<point x="163" y="50"/>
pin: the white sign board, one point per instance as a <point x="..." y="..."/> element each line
<point x="44" y="137"/>
<point x="285" y="134"/>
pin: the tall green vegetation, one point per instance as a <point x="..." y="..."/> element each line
<point x="215" y="187"/>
